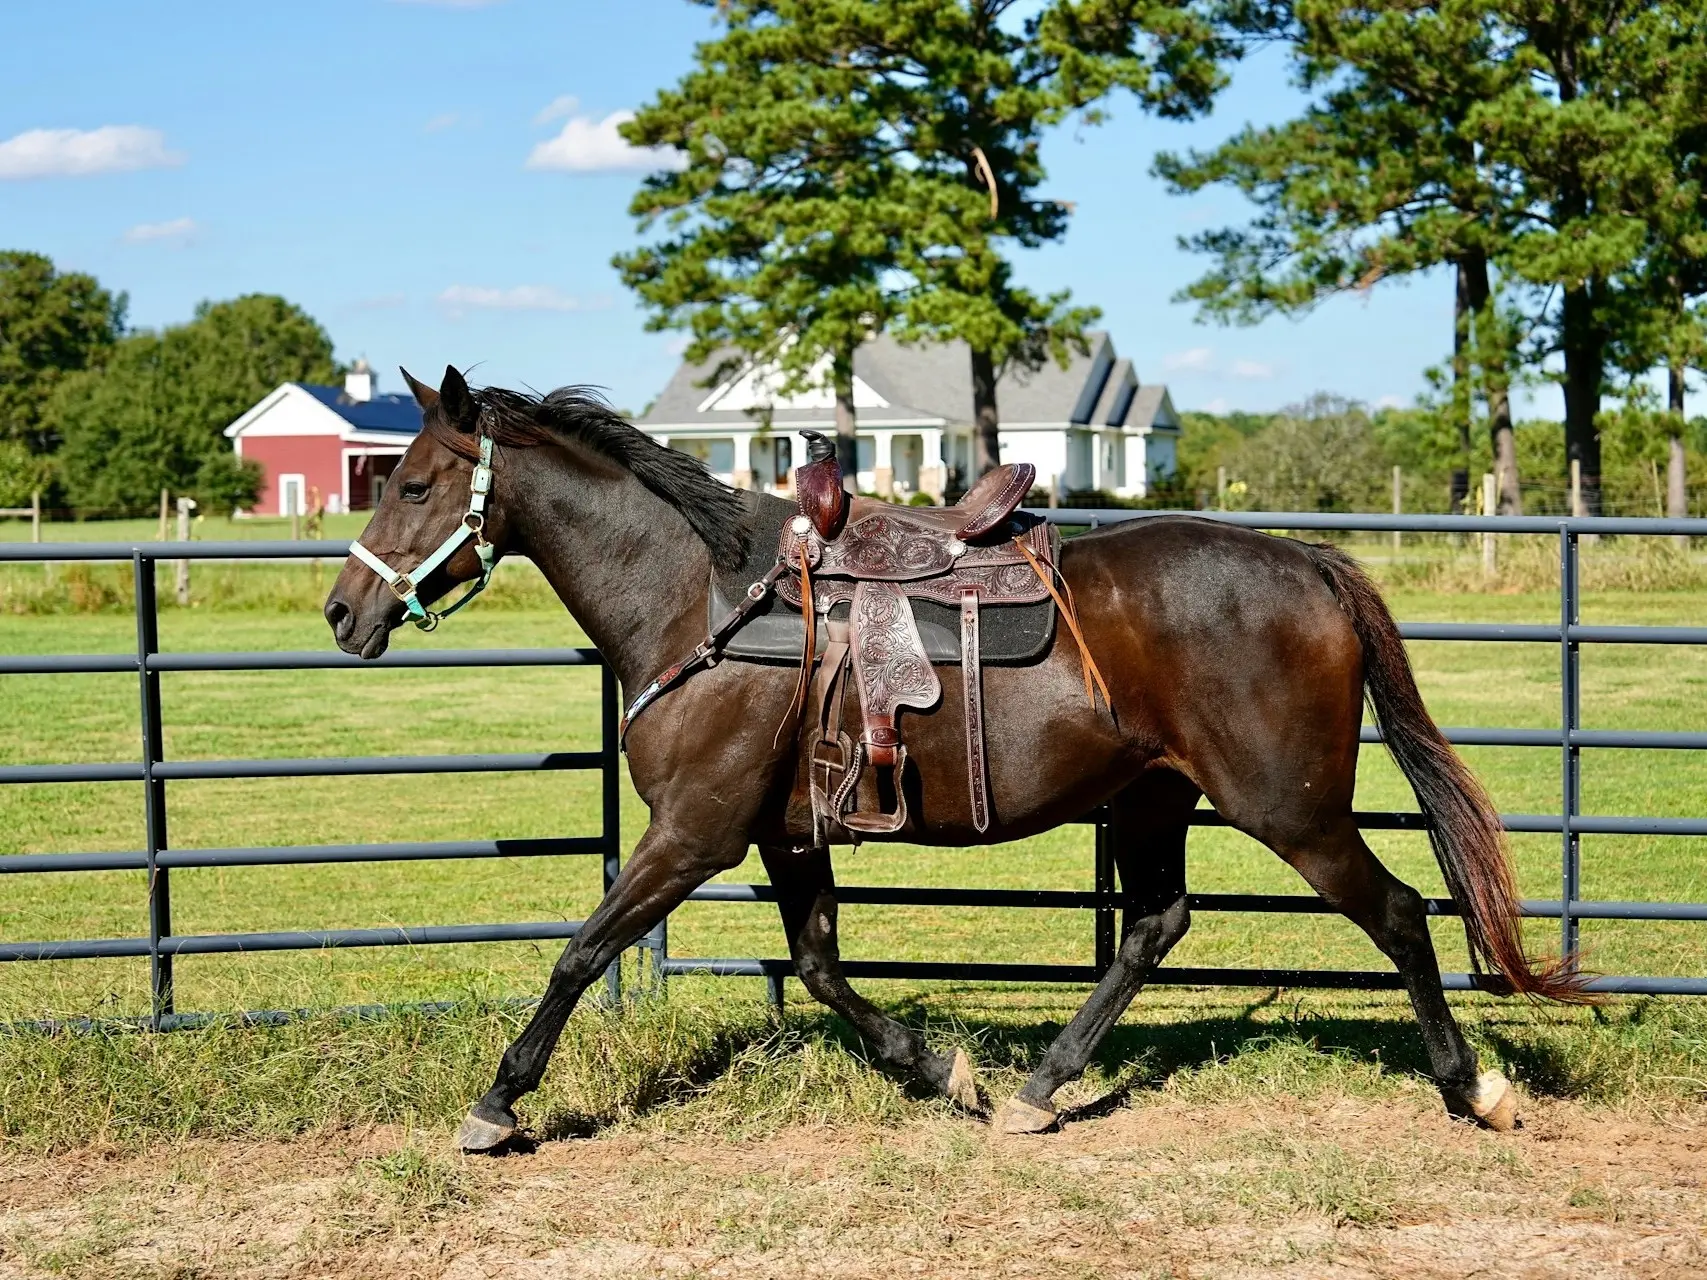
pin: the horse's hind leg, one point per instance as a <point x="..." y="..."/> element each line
<point x="1350" y="878"/>
<point x="1150" y="830"/>
<point x="806" y="896"/>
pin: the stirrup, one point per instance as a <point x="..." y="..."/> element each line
<point x="876" y="823"/>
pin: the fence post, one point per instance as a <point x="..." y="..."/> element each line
<point x="154" y="793"/>
<point x="1104" y="881"/>
<point x="35" y="516"/>
<point x="1398" y="502"/>
<point x="1570" y="718"/>
<point x="165" y="501"/>
<point x="185" y="506"/>
<point x="611" y="806"/>
<point x="1490" y="502"/>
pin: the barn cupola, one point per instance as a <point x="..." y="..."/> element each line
<point x="358" y="382"/>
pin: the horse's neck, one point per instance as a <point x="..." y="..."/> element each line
<point x="623" y="561"/>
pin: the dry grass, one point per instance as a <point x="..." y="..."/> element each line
<point x="1337" y="1187"/>
<point x="1530" y="563"/>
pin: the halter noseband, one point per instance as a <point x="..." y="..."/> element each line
<point x="406" y="586"/>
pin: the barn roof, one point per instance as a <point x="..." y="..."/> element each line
<point x="393" y="412"/>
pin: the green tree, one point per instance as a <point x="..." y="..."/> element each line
<point x="52" y="323"/>
<point x="1378" y="179"/>
<point x="778" y="225"/>
<point x="1528" y="137"/>
<point x="153" y="417"/>
<point x="853" y="165"/>
<point x="1586" y="138"/>
<point x="1322" y="455"/>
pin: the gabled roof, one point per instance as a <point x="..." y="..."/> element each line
<point x="382" y="413"/>
<point x="927" y="383"/>
<point x="1152" y="408"/>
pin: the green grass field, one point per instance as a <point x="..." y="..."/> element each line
<point x="209" y="715"/>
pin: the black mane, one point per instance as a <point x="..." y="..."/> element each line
<point x="714" y="510"/>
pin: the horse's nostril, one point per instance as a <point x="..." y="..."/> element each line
<point x="339" y="617"/>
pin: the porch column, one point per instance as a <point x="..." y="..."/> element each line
<point x="742" y="477"/>
<point x="933" y="469"/>
<point x="883" y="466"/>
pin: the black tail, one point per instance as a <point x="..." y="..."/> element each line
<point x="1464" y="827"/>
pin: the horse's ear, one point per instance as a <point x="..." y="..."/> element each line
<point x="424" y="395"/>
<point x="456" y="401"/>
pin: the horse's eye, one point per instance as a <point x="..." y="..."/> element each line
<point x="415" y="490"/>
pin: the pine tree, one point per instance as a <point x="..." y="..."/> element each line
<point x="1518" y="142"/>
<point x="1378" y="179"/>
<point x="857" y="165"/>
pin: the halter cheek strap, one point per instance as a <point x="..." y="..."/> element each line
<point x="406" y="586"/>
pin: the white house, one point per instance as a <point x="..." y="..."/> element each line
<point x="1088" y="426"/>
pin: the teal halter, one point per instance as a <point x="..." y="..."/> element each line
<point x="406" y="586"/>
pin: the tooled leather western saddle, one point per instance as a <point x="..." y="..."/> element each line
<point x="878" y="559"/>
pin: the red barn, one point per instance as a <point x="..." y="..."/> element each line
<point x="337" y="444"/>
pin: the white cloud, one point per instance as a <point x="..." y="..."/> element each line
<point x="586" y="145"/>
<point x="76" y="153"/>
<point x="678" y="344"/>
<point x="522" y="297"/>
<point x="566" y="105"/>
<point x="1217" y="405"/>
<point x="1390" y="402"/>
<point x="178" y="231"/>
<point x="1193" y="360"/>
<point x="1254" y="370"/>
<point x="439" y="123"/>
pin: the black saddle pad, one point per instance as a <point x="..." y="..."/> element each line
<point x="1008" y="634"/>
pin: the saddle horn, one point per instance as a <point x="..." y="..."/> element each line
<point x="818" y="486"/>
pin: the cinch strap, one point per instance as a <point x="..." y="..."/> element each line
<point x="406" y="586"/>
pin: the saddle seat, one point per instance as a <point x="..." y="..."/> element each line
<point x="878" y="557"/>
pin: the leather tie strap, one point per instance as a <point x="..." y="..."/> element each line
<point x="972" y="677"/>
<point x="1070" y="615"/>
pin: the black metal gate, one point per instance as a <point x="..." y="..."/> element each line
<point x="159" y="856"/>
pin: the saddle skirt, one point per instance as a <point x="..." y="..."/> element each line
<point x="883" y="561"/>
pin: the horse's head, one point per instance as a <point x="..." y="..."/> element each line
<point x="426" y="504"/>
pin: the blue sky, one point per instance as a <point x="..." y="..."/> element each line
<point x="369" y="159"/>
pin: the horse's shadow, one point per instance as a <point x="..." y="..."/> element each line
<point x="1134" y="1059"/>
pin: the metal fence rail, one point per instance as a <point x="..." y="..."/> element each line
<point x="158" y="858"/>
<point x="1570" y="739"/>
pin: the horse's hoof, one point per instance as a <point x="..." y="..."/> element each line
<point x="962" y="1084"/>
<point x="1495" y="1103"/>
<point x="1019" y="1116"/>
<point x="482" y="1135"/>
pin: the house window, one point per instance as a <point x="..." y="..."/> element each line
<point x="718" y="455"/>
<point x="866" y="451"/>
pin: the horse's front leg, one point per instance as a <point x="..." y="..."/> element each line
<point x="665" y="868"/>
<point x="806" y="896"/>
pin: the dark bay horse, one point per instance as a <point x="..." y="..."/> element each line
<point x="1237" y="664"/>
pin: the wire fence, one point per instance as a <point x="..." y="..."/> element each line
<point x="159" y="857"/>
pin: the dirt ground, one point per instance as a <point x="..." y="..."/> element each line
<point x="1163" y="1189"/>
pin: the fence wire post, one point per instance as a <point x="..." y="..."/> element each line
<point x="1570" y="718"/>
<point x="1105" y="887"/>
<point x="611" y="797"/>
<point x="154" y="793"/>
